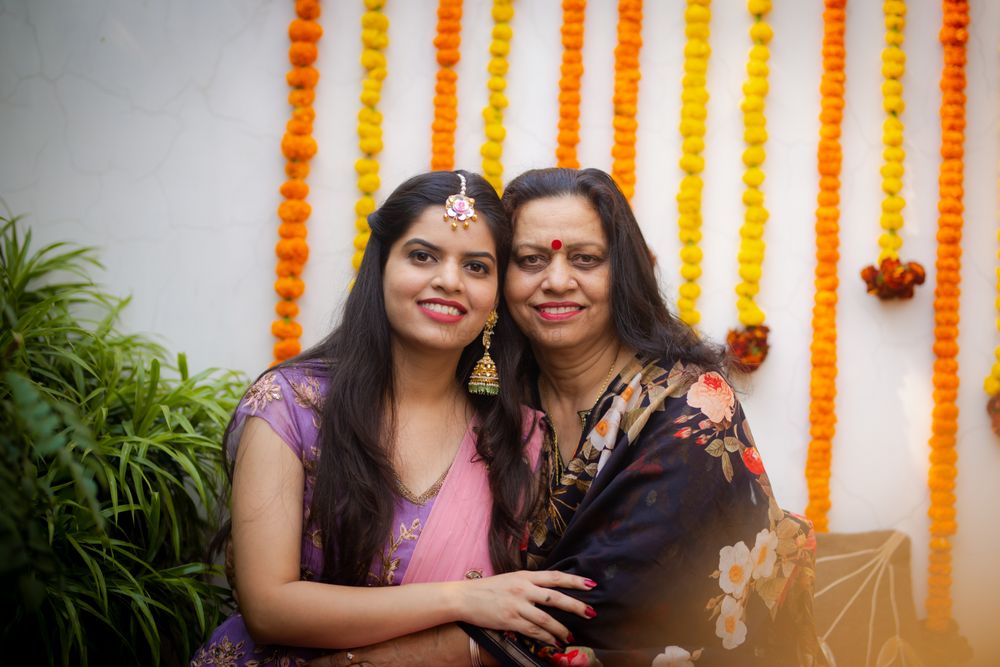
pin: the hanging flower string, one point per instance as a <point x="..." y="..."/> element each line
<point x="892" y="279"/>
<point x="374" y="39"/>
<point x="492" y="150"/>
<point x="447" y="42"/>
<point x="694" y="111"/>
<point x="298" y="147"/>
<point x="571" y="71"/>
<point x="823" y="374"/>
<point x="626" y="95"/>
<point x="749" y="344"/>
<point x="944" y="418"/>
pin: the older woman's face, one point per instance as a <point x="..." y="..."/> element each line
<point x="558" y="286"/>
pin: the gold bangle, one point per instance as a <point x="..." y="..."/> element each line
<point x="474" y="654"/>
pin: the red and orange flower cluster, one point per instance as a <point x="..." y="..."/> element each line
<point x="893" y="279"/>
<point x="749" y="346"/>
<point x="298" y="147"/>
<point x="823" y="376"/>
<point x="626" y="95"/>
<point x="944" y="421"/>
<point x="447" y="42"/>
<point x="571" y="71"/>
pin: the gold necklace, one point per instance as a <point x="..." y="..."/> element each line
<point x="585" y="414"/>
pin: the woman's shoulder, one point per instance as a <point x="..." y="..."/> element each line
<point x="294" y="386"/>
<point x="678" y="377"/>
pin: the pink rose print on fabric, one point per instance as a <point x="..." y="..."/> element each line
<point x="713" y="396"/>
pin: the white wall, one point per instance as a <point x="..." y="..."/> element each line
<point x="152" y="129"/>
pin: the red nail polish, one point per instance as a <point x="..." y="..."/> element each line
<point x="589" y="612"/>
<point x="569" y="637"/>
<point x="590" y="583"/>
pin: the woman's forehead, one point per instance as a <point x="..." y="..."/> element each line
<point x="568" y="219"/>
<point x="432" y="226"/>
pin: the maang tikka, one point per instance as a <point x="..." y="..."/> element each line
<point x="484" y="379"/>
<point x="460" y="208"/>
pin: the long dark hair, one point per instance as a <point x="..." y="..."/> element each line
<point x="355" y="492"/>
<point x="641" y="318"/>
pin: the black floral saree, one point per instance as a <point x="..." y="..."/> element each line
<point x="667" y="506"/>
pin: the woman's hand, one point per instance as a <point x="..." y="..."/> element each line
<point x="508" y="602"/>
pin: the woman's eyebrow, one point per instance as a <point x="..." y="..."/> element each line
<point x="483" y="254"/>
<point x="567" y="246"/>
<point x="419" y="241"/>
<point x="430" y="246"/>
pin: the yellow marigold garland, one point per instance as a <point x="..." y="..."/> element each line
<point x="374" y="38"/>
<point x="944" y="420"/>
<point x="298" y="147"/>
<point x="823" y="374"/>
<point x="571" y="71"/>
<point x="492" y="149"/>
<point x="626" y="95"/>
<point x="749" y="344"/>
<point x="447" y="42"/>
<point x="892" y="279"/>
<point x="694" y="111"/>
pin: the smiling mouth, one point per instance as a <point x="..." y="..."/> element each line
<point x="558" y="312"/>
<point x="444" y="309"/>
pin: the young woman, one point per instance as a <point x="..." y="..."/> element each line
<point x="366" y="462"/>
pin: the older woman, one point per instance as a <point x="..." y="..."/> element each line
<point x="656" y="488"/>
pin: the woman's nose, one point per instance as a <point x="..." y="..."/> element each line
<point x="558" y="276"/>
<point x="449" y="277"/>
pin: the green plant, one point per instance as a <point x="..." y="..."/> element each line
<point x="110" y="468"/>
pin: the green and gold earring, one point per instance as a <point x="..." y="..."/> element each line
<point x="484" y="379"/>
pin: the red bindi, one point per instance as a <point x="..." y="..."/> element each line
<point x="556" y="244"/>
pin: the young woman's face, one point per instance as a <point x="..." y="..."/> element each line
<point x="558" y="285"/>
<point x="440" y="284"/>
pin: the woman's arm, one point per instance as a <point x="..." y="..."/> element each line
<point x="443" y="646"/>
<point x="279" y="608"/>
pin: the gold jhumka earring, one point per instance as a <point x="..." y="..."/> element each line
<point x="484" y="379"/>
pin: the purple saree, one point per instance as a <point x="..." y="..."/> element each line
<point x="443" y="545"/>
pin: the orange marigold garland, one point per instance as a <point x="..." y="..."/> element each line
<point x="374" y="38"/>
<point x="447" y="43"/>
<point x="892" y="279"/>
<point x="571" y="71"/>
<point x="694" y="111"/>
<point x="298" y="147"/>
<point x="944" y="420"/>
<point x="823" y="374"/>
<point x="749" y="343"/>
<point x="626" y="95"/>
<point x="492" y="149"/>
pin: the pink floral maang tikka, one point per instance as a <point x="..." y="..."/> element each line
<point x="460" y="208"/>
